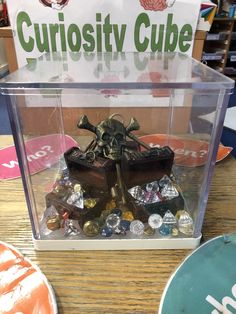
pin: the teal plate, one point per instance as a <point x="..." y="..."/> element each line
<point x="205" y="282"/>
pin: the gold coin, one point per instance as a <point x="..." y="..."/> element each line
<point x="53" y="223"/>
<point x="149" y="231"/>
<point x="91" y="228"/>
<point x="90" y="202"/>
<point x="128" y="215"/>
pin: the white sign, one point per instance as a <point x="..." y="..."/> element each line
<point x="40" y="26"/>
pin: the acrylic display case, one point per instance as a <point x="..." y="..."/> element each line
<point x="112" y="148"/>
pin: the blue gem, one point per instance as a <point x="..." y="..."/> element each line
<point x="165" y="229"/>
<point x="117" y="211"/>
<point x="120" y="231"/>
<point x="106" y="232"/>
<point x="61" y="182"/>
<point x="65" y="173"/>
<point x="124" y="224"/>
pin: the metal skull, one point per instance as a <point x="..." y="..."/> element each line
<point x="111" y="138"/>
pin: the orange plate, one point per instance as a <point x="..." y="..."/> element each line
<point x="188" y="152"/>
<point x="23" y="287"/>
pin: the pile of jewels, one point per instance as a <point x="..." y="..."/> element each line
<point x="117" y="186"/>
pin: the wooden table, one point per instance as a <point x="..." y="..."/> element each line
<point x="112" y="282"/>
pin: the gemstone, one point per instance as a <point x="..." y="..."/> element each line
<point x="79" y="203"/>
<point x="137" y="227"/>
<point x="124" y="224"/>
<point x="57" y="188"/>
<point x="185" y="223"/>
<point x="155" y="221"/>
<point x="90" y="202"/>
<point x="165" y="229"/>
<point x="169" y="191"/>
<point x="68" y="182"/>
<point x="106" y="232"/>
<point x="113" y="221"/>
<point x="137" y="193"/>
<point x="164" y="181"/>
<point x="76" y="199"/>
<point x="151" y="197"/>
<point x="65" y="215"/>
<point x="72" y="199"/>
<point x="61" y="191"/>
<point x="104" y="214"/>
<point x="70" y="228"/>
<point x="149" y="231"/>
<point x="169" y="218"/>
<point x="65" y="172"/>
<point x="50" y="211"/>
<point x="78" y="188"/>
<point x="61" y="182"/>
<point x="53" y="223"/>
<point x="152" y="186"/>
<point x="127" y="215"/>
<point x="117" y="212"/>
<point x="120" y="231"/>
<point x="91" y="228"/>
<point x="175" y="232"/>
<point x="111" y="205"/>
<point x="62" y="165"/>
<point x="179" y="212"/>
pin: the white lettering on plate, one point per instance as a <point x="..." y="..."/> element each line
<point x="45" y="150"/>
<point x="223" y="306"/>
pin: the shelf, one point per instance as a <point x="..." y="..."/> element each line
<point x="233" y="36"/>
<point x="217" y="36"/>
<point x="219" y="51"/>
<point x="230" y="71"/>
<point x="232" y="56"/>
<point x="212" y="56"/>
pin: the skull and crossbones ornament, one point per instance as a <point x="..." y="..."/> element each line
<point x="111" y="134"/>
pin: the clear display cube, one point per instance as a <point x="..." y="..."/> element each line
<point x="116" y="150"/>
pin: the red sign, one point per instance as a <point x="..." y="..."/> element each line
<point x="42" y="152"/>
<point x="188" y="152"/>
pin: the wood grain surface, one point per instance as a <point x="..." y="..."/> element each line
<point x="112" y="282"/>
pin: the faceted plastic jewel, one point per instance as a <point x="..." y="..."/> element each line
<point x="151" y="197"/>
<point x="152" y="186"/>
<point x="185" y="223"/>
<point x="50" y="211"/>
<point x="169" y="218"/>
<point x="137" y="193"/>
<point x="76" y="199"/>
<point x="137" y="227"/>
<point x="113" y="221"/>
<point x="155" y="221"/>
<point x="164" y="181"/>
<point x="169" y="191"/>
<point x="165" y="229"/>
<point x="71" y="228"/>
<point x="106" y="232"/>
